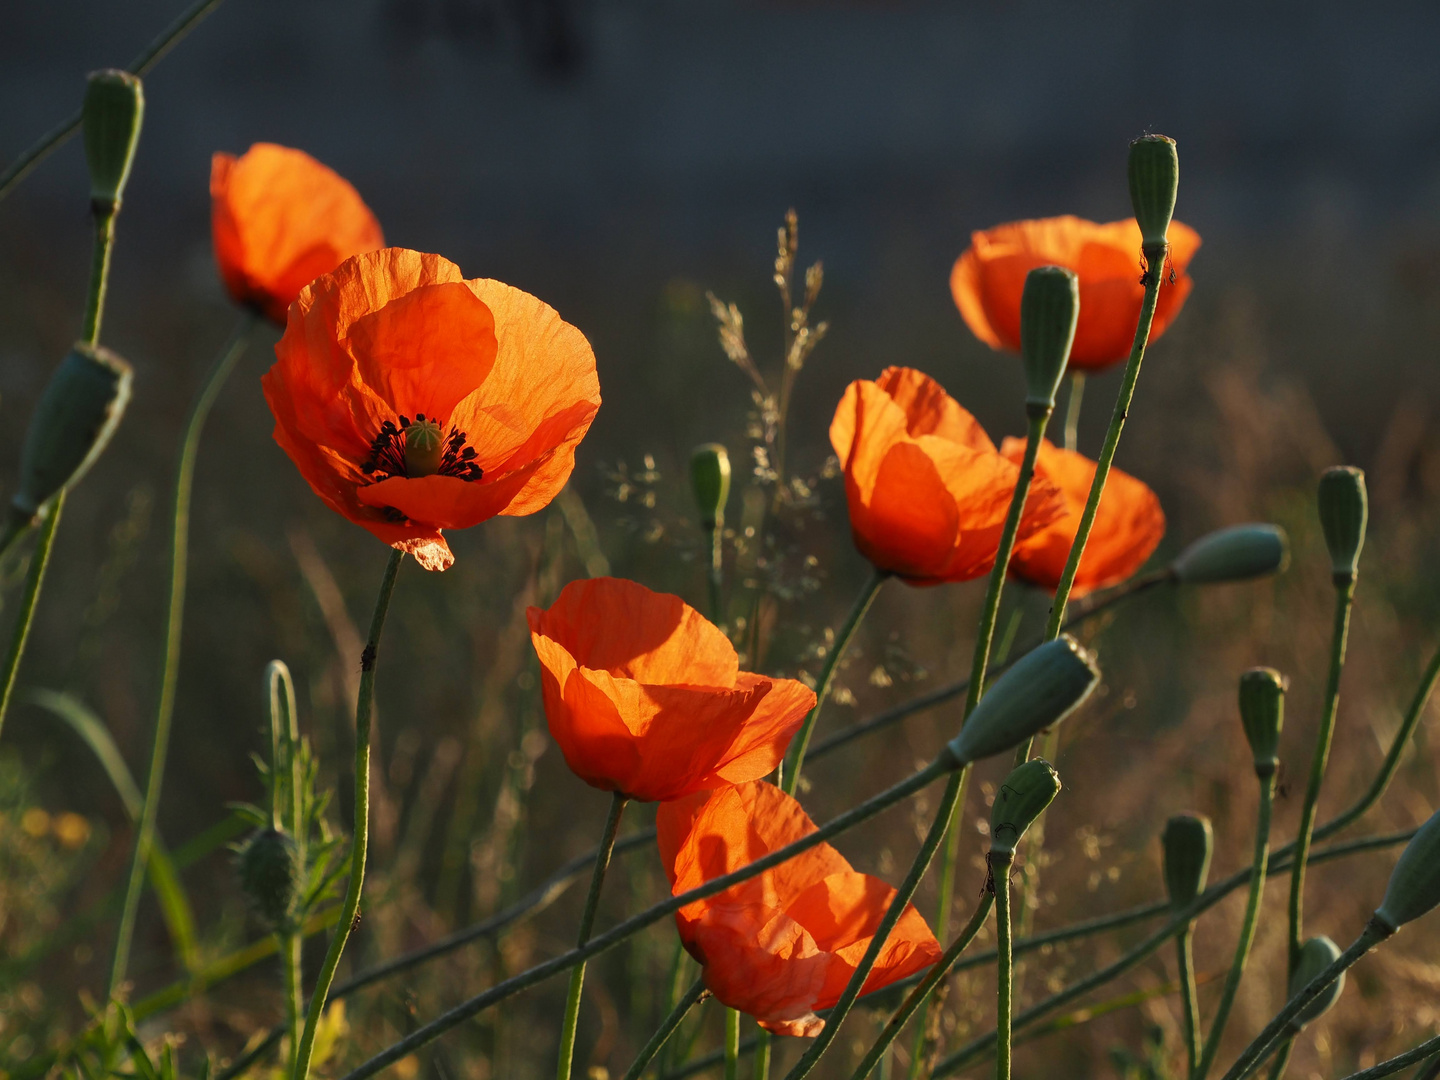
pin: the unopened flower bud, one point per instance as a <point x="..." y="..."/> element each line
<point x="1262" y="711"/>
<point x="710" y="480"/>
<point x="1315" y="956"/>
<point x="76" y="415"/>
<point x="1040" y="690"/>
<point x="1237" y="553"/>
<point x="1154" y="170"/>
<point x="270" y="875"/>
<point x="1415" y="882"/>
<point x="1049" y="308"/>
<point x="1344" y="510"/>
<point x="114" y="108"/>
<point x="424" y="447"/>
<point x="1188" y="843"/>
<point x="1022" y="798"/>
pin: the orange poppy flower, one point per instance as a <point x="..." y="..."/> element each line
<point x="646" y="697"/>
<point x="989" y="277"/>
<point x="1129" y="524"/>
<point x="279" y="220"/>
<point x="413" y="400"/>
<point x="785" y="943"/>
<point x="927" y="490"/>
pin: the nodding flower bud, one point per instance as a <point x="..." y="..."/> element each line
<point x="1237" y="553"/>
<point x="76" y="415"/>
<point x="1344" y="511"/>
<point x="1262" y="711"/>
<point x="1415" y="882"/>
<point x="114" y="108"/>
<point x="1154" y="170"/>
<point x="1040" y="690"/>
<point x="424" y="447"/>
<point x="1316" y="955"/>
<point x="1022" y="798"/>
<point x="1188" y="843"/>
<point x="710" y="480"/>
<point x="1049" y="308"/>
<point x="270" y="873"/>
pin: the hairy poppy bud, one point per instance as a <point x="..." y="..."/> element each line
<point x="1316" y="955"/>
<point x="710" y="480"/>
<point x="1039" y="690"/>
<point x="1415" y="882"/>
<point x="1262" y="711"/>
<point x="76" y="416"/>
<point x="1154" y="170"/>
<point x="1344" y="510"/>
<point x="1188" y="843"/>
<point x="114" y="108"/>
<point x="1237" y="553"/>
<point x="1022" y="798"/>
<point x="270" y="873"/>
<point x="1049" y="308"/>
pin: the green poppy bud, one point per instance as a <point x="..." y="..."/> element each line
<point x="76" y="415"/>
<point x="1038" y="691"/>
<point x="1049" y="308"/>
<point x="1237" y="553"/>
<point x="270" y="875"/>
<point x="710" y="480"/>
<point x="114" y="108"/>
<point x="1315" y="956"/>
<point x="1344" y="510"/>
<point x="1262" y="711"/>
<point x="1022" y="798"/>
<point x="1154" y="170"/>
<point x="1415" y="882"/>
<point x="1188" y="843"/>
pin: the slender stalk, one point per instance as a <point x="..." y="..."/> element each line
<point x="170" y="646"/>
<point x="1072" y="409"/>
<point x="1282" y="1058"/>
<point x="762" y="1055"/>
<point x="1344" y="599"/>
<point x="350" y="906"/>
<point x="1000" y="868"/>
<point x="587" y="924"/>
<point x="796" y="759"/>
<point x="732" y="1045"/>
<point x="291" y="951"/>
<point x="1189" y="1003"/>
<point x="688" y="1000"/>
<point x="1391" y="1066"/>
<point x="25" y="614"/>
<point x="1247" y="927"/>
<point x="715" y="573"/>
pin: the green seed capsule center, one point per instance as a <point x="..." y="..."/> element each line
<point x="424" y="447"/>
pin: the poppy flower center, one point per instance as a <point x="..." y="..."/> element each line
<point x="420" y="448"/>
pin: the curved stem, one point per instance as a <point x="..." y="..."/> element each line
<point x="687" y="1001"/>
<point x="1072" y="409"/>
<point x="25" y="614"/>
<point x="1247" y="928"/>
<point x="350" y="907"/>
<point x="1189" y="1004"/>
<point x="170" y="646"/>
<point x="99" y="274"/>
<point x="1344" y="598"/>
<point x="1004" y="972"/>
<point x="587" y="924"/>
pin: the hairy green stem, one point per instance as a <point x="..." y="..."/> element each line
<point x="360" y="837"/>
<point x="762" y="1054"/>
<point x="1072" y="409"/>
<point x="1004" y="969"/>
<point x="715" y="572"/>
<point x="732" y="1044"/>
<point x="25" y="614"/>
<point x="291" y="952"/>
<point x="1282" y="1058"/>
<point x="587" y="924"/>
<point x="1189" y="1002"/>
<point x="687" y="1001"/>
<point x="1391" y="1066"/>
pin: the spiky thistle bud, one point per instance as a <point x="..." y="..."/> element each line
<point x="1262" y="711"/>
<point x="1187" y="842"/>
<point x="1154" y="171"/>
<point x="1236" y="553"/>
<point x="270" y="875"/>
<point x="1040" y="690"/>
<point x="1344" y="512"/>
<point x="710" y="481"/>
<point x="1022" y="798"/>
<point x="1049" y="308"/>
<point x="114" y="108"/>
<point x="1414" y="886"/>
<point x="1316" y="955"/>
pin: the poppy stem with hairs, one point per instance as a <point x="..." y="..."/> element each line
<point x="688" y="1000"/>
<point x="360" y="836"/>
<point x="1429" y="1066"/>
<point x="796" y="759"/>
<point x="1189" y="1002"/>
<point x="1072" y="409"/>
<point x="732" y="1044"/>
<point x="1000" y="864"/>
<point x="25" y="613"/>
<point x="587" y="923"/>
<point x="220" y="370"/>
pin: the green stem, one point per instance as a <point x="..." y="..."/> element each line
<point x="170" y="647"/>
<point x="732" y="1044"/>
<point x="762" y="1055"/>
<point x="360" y="837"/>
<point x="682" y="1007"/>
<point x="796" y="759"/>
<point x="1155" y="261"/>
<point x="1344" y="599"/>
<point x="1000" y="868"/>
<point x="34" y="578"/>
<point x="587" y="924"/>
<point x="99" y="273"/>
<point x="921" y="863"/>
<point x="1247" y="927"/>
<point x="291" y="952"/>
<point x="715" y="573"/>
<point x="1072" y="409"/>
<point x="1189" y="1002"/>
<point x="1391" y="1066"/>
<point x="1282" y="1058"/>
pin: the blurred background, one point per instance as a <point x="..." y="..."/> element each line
<point x="619" y="158"/>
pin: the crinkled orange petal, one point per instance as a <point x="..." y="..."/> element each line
<point x="929" y="410"/>
<point x="908" y="524"/>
